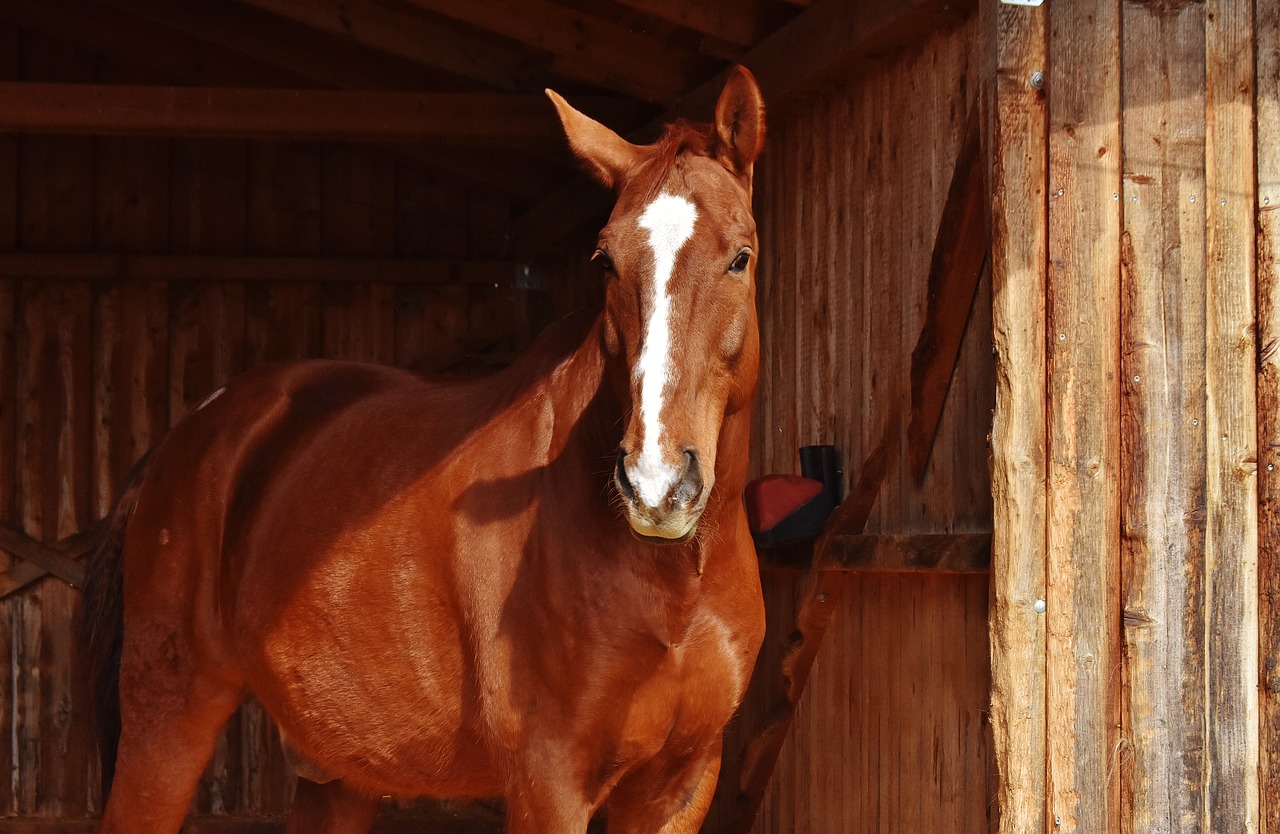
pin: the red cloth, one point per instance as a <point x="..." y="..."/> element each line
<point x="774" y="497"/>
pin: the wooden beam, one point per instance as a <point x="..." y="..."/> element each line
<point x="1014" y="43"/>
<point x="959" y="251"/>
<point x="413" y="37"/>
<point x="37" y="559"/>
<point x="890" y="553"/>
<point x="733" y="21"/>
<point x="128" y="110"/>
<point x="174" y="54"/>
<point x="241" y="32"/>
<point x="585" y="47"/>
<point x="827" y="36"/>
<point x="185" y="268"/>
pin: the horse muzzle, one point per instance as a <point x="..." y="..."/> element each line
<point x="663" y="502"/>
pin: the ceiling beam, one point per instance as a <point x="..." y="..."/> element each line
<point x="340" y="115"/>
<point x="319" y="56"/>
<point x="412" y="37"/>
<point x="585" y="48"/>
<point x="828" y="35"/>
<point x="733" y="21"/>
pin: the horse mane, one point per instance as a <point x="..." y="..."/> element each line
<point x="679" y="138"/>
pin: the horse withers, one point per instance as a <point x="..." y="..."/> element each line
<point x="539" y="585"/>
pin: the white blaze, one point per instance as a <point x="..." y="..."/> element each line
<point x="669" y="221"/>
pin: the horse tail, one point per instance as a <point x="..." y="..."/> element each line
<point x="101" y="624"/>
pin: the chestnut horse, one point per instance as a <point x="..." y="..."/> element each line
<point x="433" y="588"/>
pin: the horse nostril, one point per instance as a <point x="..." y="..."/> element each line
<point x="690" y="485"/>
<point x="621" y="479"/>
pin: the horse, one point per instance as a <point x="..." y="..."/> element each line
<point x="537" y="585"/>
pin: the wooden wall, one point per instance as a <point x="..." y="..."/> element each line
<point x="891" y="732"/>
<point x="1137" y="416"/>
<point x="94" y="368"/>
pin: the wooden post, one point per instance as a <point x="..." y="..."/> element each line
<point x="1017" y="40"/>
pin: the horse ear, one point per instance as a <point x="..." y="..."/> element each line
<point x="608" y="156"/>
<point x="739" y="121"/>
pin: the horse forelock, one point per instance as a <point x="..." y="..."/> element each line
<point x="680" y="138"/>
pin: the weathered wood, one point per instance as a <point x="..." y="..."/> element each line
<point x="134" y="110"/>
<point x="99" y="267"/>
<point x="1015" y="42"/>
<point x="1267" y="25"/>
<point x="1162" y="435"/>
<point x="739" y="23"/>
<point x="959" y="251"/>
<point x="1082" y="593"/>
<point x="1231" y="533"/>
<point x="892" y="553"/>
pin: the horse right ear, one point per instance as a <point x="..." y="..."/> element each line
<point x="608" y="156"/>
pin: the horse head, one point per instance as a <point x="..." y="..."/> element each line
<point x="679" y="328"/>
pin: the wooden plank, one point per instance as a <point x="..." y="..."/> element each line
<point x="1015" y="43"/>
<point x="821" y="598"/>
<point x="1083" y="613"/>
<point x="315" y="115"/>
<point x="206" y="326"/>
<point x="61" y="562"/>
<point x="1231" y="534"/>
<point x="1162" y="436"/>
<point x="959" y="251"/>
<point x="739" y="23"/>
<point x="1267" y="203"/>
<point x="181" y="269"/>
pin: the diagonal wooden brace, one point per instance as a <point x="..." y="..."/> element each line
<point x="37" y="560"/>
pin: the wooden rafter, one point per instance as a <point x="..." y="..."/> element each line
<point x="412" y="37"/>
<point x="129" y="110"/>
<point x="732" y="21"/>
<point x="215" y="268"/>
<point x="584" y="47"/>
<point x="244" y="31"/>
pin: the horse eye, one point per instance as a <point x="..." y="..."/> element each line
<point x="606" y="264"/>
<point x="740" y="262"/>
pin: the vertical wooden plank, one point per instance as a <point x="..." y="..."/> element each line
<point x="54" y="492"/>
<point x="208" y="217"/>
<point x="1231" y="534"/>
<point x="1016" y="48"/>
<point x="1268" y="203"/>
<point x="131" y="363"/>
<point x="358" y="219"/>
<point x="1162" y="436"/>
<point x="1083" y="365"/>
<point x="284" y="218"/>
<point x="9" y="46"/>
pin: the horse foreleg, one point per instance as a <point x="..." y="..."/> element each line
<point x="331" y="808"/>
<point x="675" y="808"/>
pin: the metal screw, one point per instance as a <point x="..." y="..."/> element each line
<point x="1059" y="192"/>
<point x="1039" y="606"/>
<point x="1195" y="422"/>
<point x="1062" y="337"/>
<point x="1037" y="80"/>
<point x="1135" y="198"/>
<point x="821" y="597"/>
<point x="1193" y="198"/>
<point x="1057" y="820"/>
<point x="1266" y="201"/>
<point x="1137" y="378"/>
<point x="1271" y="467"/>
<point x="1224" y="201"/>
<point x="1115" y="196"/>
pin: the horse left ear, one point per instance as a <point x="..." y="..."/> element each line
<point x="608" y="156"/>
<point x="739" y="122"/>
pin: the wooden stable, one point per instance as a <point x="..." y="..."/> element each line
<point x="1017" y="264"/>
